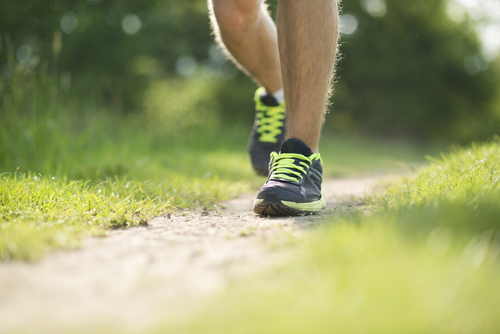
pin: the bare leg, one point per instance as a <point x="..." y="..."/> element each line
<point x="245" y="28"/>
<point x="307" y="34"/>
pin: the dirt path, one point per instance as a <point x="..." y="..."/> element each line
<point x="132" y="277"/>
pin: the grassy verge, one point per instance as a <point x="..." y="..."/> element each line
<point x="127" y="181"/>
<point x="426" y="262"/>
<point x="123" y="182"/>
<point x="72" y="167"/>
<point x="348" y="155"/>
<point x="112" y="184"/>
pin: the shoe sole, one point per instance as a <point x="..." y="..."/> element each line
<point x="272" y="205"/>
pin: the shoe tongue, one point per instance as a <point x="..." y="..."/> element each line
<point x="294" y="145"/>
<point x="269" y="100"/>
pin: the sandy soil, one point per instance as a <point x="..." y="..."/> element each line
<point x="131" y="277"/>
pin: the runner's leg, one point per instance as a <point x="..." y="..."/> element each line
<point x="308" y="35"/>
<point x="245" y="29"/>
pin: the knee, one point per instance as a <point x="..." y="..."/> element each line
<point x="236" y="14"/>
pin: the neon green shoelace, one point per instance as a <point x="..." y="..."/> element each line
<point x="270" y="119"/>
<point x="284" y="165"/>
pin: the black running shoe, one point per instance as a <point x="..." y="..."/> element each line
<point x="268" y="130"/>
<point x="294" y="184"/>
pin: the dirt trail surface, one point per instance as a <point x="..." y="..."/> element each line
<point x="134" y="277"/>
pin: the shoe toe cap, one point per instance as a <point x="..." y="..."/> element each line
<point x="284" y="190"/>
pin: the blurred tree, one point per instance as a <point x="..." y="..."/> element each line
<point x="407" y="69"/>
<point x="110" y="49"/>
<point x="404" y="72"/>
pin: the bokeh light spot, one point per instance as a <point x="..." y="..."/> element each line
<point x="477" y="249"/>
<point x="455" y="12"/>
<point x="491" y="42"/>
<point x="348" y="24"/>
<point x="376" y="8"/>
<point x="131" y="24"/>
<point x="216" y="54"/>
<point x="439" y="241"/>
<point x="472" y="64"/>
<point x="23" y="53"/>
<point x="146" y="65"/>
<point x="69" y="22"/>
<point x="185" y="66"/>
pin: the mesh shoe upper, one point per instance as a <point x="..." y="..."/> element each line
<point x="268" y="130"/>
<point x="294" y="183"/>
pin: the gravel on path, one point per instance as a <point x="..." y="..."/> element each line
<point x="131" y="277"/>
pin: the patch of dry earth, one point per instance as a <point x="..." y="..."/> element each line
<point x="130" y="278"/>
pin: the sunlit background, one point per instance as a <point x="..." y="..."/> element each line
<point x="113" y="112"/>
<point x="425" y="71"/>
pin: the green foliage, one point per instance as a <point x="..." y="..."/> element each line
<point x="352" y="155"/>
<point x="27" y="121"/>
<point x="184" y="149"/>
<point x="363" y="279"/>
<point x="465" y="177"/>
<point x="174" y="105"/>
<point x="403" y="74"/>
<point x="40" y="213"/>
<point x="98" y="56"/>
<point x="69" y="170"/>
<point x="426" y="262"/>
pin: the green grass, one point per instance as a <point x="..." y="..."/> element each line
<point x="128" y="182"/>
<point x="426" y="261"/>
<point x="70" y="167"/>
<point x="349" y="155"/>
<point x="109" y="184"/>
<point x="467" y="177"/>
